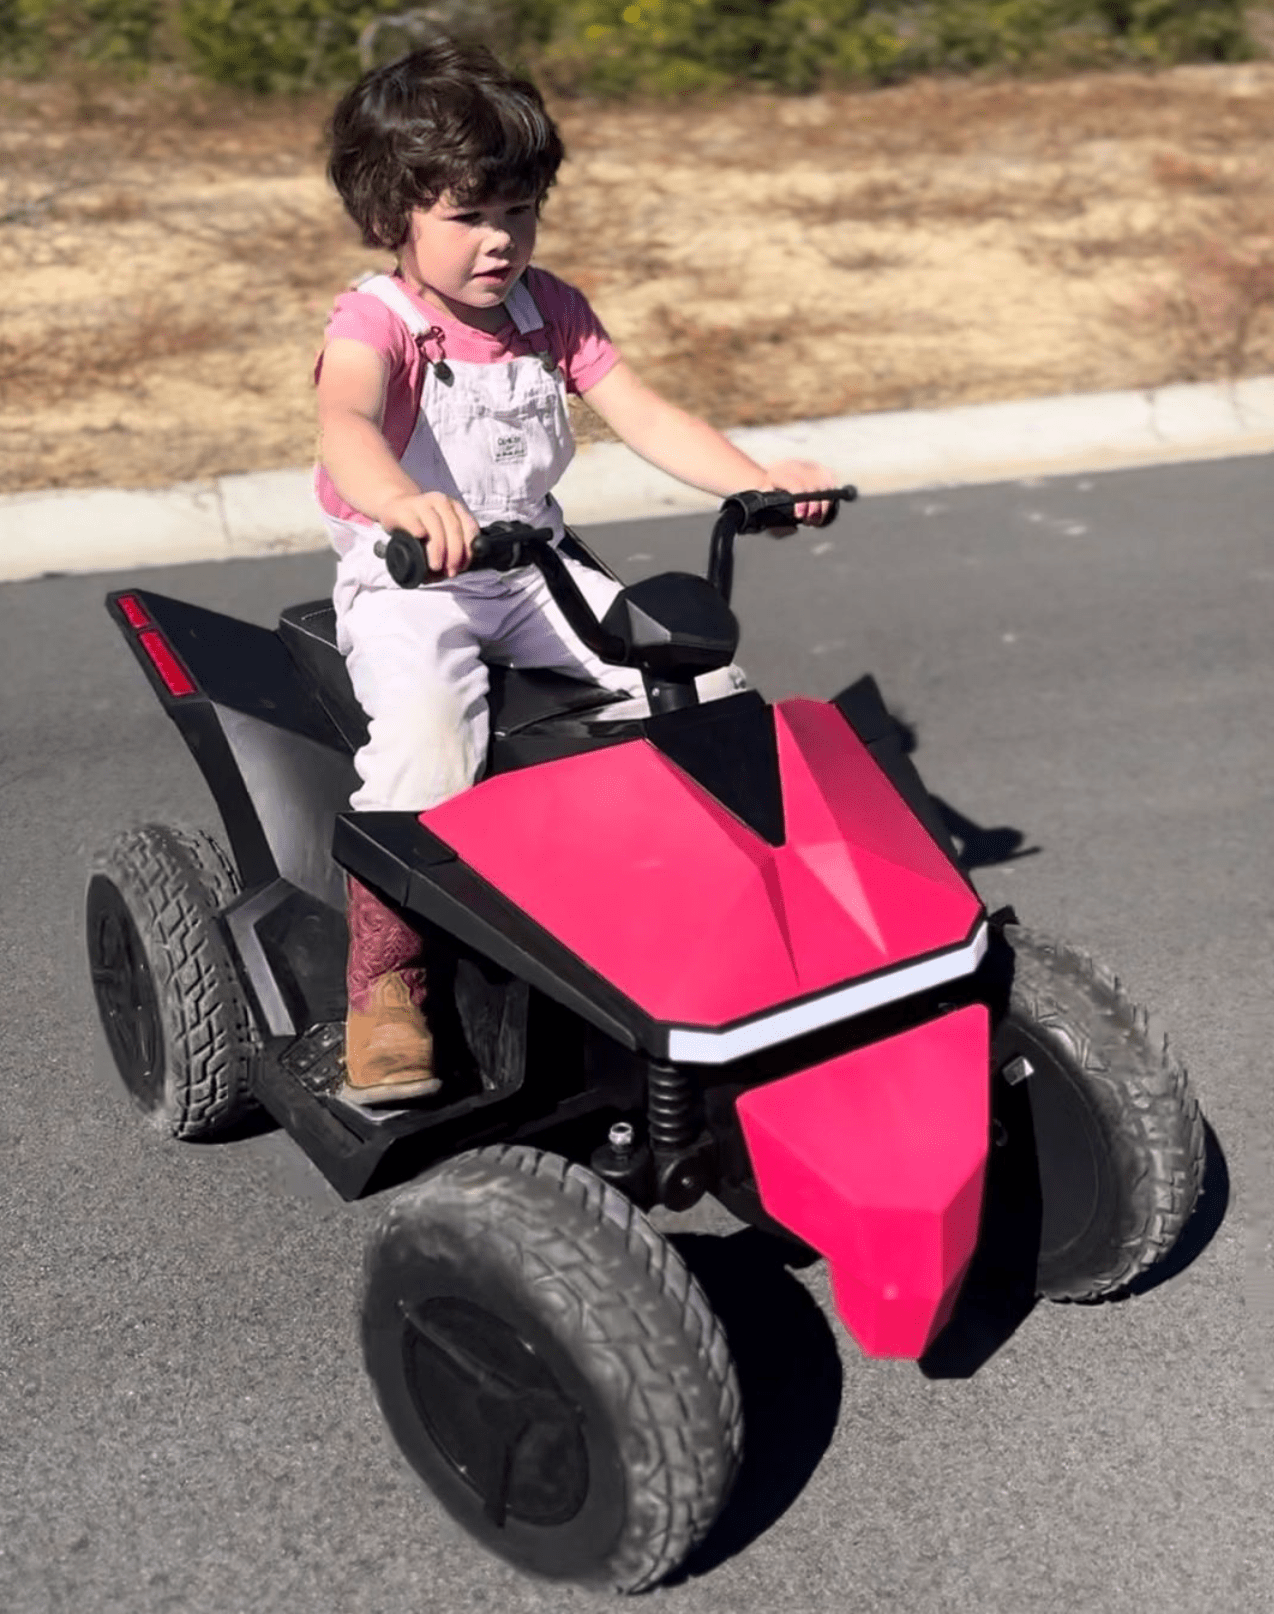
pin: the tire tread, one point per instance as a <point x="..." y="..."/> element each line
<point x="651" y="1333"/>
<point x="175" y="881"/>
<point x="1125" y="1056"/>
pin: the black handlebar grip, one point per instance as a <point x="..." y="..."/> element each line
<point x="500" y="546"/>
<point x="757" y="511"/>
<point x="782" y="512"/>
<point x="404" y="555"/>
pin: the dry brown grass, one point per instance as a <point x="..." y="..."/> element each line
<point x="1216" y="310"/>
<point x="168" y="257"/>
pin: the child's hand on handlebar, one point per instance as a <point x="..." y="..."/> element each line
<point x="801" y="476"/>
<point x="444" y="526"/>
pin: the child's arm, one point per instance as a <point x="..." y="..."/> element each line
<point x="367" y="475"/>
<point x="694" y="452"/>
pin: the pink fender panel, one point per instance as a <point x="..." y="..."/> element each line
<point x="877" y="1159"/>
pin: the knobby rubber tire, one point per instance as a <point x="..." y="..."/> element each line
<point x="1139" y="1104"/>
<point x="172" y="884"/>
<point x="587" y="1279"/>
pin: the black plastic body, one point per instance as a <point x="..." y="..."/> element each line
<point x="534" y="1043"/>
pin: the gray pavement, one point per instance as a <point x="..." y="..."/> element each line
<point x="1088" y="665"/>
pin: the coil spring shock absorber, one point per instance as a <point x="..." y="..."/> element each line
<point x="670" y="1109"/>
<point x="684" y="1154"/>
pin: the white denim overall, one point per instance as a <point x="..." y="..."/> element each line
<point x="497" y="437"/>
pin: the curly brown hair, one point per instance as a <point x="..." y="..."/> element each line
<point x="447" y="120"/>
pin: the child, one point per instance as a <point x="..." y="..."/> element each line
<point x="442" y="407"/>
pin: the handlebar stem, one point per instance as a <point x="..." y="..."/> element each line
<point x="755" y="511"/>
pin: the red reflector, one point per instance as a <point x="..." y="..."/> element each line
<point x="177" y="680"/>
<point x="135" y="613"/>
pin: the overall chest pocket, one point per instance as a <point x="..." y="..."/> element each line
<point x="507" y="418"/>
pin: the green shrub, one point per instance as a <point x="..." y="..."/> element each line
<point x="668" y="47"/>
<point x="36" y="34"/>
<point x="273" y="44"/>
<point x="1179" y="30"/>
<point x="290" y="44"/>
<point x="612" y="47"/>
<point x="841" y="41"/>
<point x="622" y="47"/>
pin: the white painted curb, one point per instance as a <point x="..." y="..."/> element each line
<point x="273" y="512"/>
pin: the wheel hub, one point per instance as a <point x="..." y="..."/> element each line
<point x="1048" y="1116"/>
<point x="496" y="1412"/>
<point x="125" y="994"/>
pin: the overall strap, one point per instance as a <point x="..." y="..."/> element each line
<point x="520" y="303"/>
<point x="385" y="289"/>
<point x="522" y="309"/>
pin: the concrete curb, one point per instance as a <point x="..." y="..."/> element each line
<point x="273" y="512"/>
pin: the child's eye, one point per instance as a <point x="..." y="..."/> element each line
<point x="474" y="219"/>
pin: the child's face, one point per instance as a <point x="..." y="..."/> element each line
<point x="467" y="257"/>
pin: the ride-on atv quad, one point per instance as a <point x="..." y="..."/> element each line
<point x="724" y="948"/>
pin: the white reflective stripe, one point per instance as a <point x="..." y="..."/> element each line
<point x="522" y="308"/>
<point x="700" y="1047"/>
<point x="385" y="289"/>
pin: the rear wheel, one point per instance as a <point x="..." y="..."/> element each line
<point x="170" y="1000"/>
<point x="548" y="1365"/>
<point x="1101" y="1137"/>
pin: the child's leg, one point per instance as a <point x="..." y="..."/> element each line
<point x="413" y="661"/>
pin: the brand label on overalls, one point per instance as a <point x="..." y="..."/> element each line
<point x="509" y="448"/>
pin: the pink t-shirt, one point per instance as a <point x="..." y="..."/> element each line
<point x="572" y="333"/>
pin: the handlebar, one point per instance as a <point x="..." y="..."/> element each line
<point x="504" y="545"/>
<point x="498" y="548"/>
<point x="760" y="512"/>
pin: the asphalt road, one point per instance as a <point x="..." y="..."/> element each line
<point x="1088" y="666"/>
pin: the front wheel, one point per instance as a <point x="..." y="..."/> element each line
<point x="1101" y="1138"/>
<point x="550" y="1368"/>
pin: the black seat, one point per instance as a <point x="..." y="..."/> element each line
<point x="309" y="632"/>
<point x="518" y="699"/>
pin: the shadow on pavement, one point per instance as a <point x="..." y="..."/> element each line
<point x="999" y="1292"/>
<point x="997" y="1296"/>
<point x="979" y="846"/>
<point x="789" y="1375"/>
<point x="255" y="1123"/>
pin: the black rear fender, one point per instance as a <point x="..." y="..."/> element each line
<point x="278" y="768"/>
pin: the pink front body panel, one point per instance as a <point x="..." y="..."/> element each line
<point x="877" y="1158"/>
<point x="643" y="875"/>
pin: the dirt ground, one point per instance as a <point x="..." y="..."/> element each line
<point x="167" y="256"/>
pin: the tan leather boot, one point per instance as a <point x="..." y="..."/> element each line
<point x="388" y="1047"/>
<point x="389" y="1055"/>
